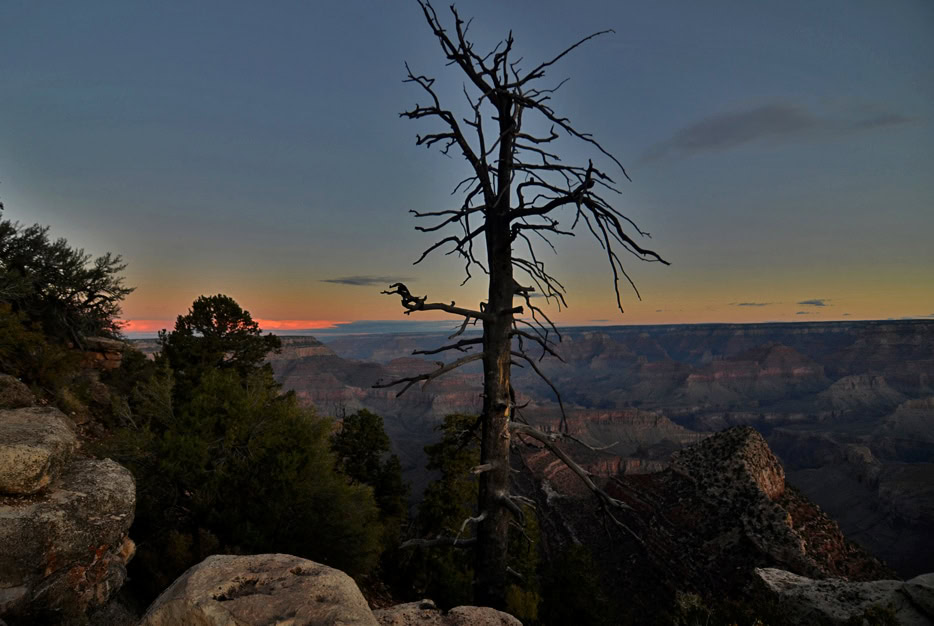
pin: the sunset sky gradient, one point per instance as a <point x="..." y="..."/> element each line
<point x="781" y="153"/>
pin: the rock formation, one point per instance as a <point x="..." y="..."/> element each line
<point x="701" y="526"/>
<point x="63" y="520"/>
<point x="264" y="589"/>
<point x="862" y="392"/>
<point x="103" y="353"/>
<point x="35" y="443"/>
<point x="824" y="394"/>
<point x="260" y="589"/>
<point x="806" y="601"/>
<point x="425" y="613"/>
<point x="14" y="394"/>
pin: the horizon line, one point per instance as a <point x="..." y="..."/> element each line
<point x="287" y="328"/>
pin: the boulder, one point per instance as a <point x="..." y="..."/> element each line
<point x="14" y="394"/>
<point x="35" y="443"/>
<point x="921" y="591"/>
<point x="425" y="613"/>
<point x="807" y="601"/>
<point x="65" y="550"/>
<point x="260" y="589"/>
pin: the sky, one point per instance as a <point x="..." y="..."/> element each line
<point x="780" y="153"/>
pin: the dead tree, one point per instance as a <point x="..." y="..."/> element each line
<point x="516" y="191"/>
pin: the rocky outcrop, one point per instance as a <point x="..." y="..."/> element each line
<point x="103" y="352"/>
<point x="736" y="470"/>
<point x="735" y="460"/>
<point x="425" y="613"/>
<point x="265" y="589"/>
<point x="260" y="589"/>
<point x="700" y="526"/>
<point x="835" y="601"/>
<point x="14" y="394"/>
<point x="63" y="520"/>
<point x="35" y="442"/>
<point x="813" y="379"/>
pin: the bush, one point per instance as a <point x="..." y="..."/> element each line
<point x="242" y="469"/>
<point x="215" y="334"/>
<point x="231" y="465"/>
<point x="362" y="448"/>
<point x="445" y="574"/>
<point x="25" y="352"/>
<point x="67" y="292"/>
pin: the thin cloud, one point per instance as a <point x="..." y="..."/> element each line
<point x="364" y="281"/>
<point x="723" y="131"/>
<point x="880" y="120"/>
<point x="751" y="303"/>
<point x="847" y="314"/>
<point x="805" y="313"/>
<point x="815" y="302"/>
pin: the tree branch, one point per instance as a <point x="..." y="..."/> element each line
<point x="430" y="376"/>
<point x="549" y="440"/>
<point x="460" y="346"/>
<point x="414" y="303"/>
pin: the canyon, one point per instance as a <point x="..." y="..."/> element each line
<point x="848" y="407"/>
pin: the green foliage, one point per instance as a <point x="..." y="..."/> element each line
<point x="445" y="574"/>
<point x="231" y="465"/>
<point x="451" y="498"/>
<point x="65" y="291"/>
<point x="523" y="596"/>
<point x="360" y="445"/>
<point x="240" y="469"/>
<point x="215" y="334"/>
<point x="362" y="450"/>
<point x="26" y="352"/>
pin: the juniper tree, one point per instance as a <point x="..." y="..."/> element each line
<point x="65" y="290"/>
<point x="517" y="190"/>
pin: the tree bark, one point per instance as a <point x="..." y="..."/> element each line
<point x="493" y="532"/>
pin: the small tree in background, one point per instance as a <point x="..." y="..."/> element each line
<point x="516" y="190"/>
<point x="444" y="572"/>
<point x="215" y="334"/>
<point x="70" y="294"/>
<point x="362" y="450"/>
<point x="228" y="463"/>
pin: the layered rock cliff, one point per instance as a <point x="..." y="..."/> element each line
<point x="64" y="520"/>
<point x="721" y="509"/>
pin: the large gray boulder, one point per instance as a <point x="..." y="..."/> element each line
<point x="807" y="601"/>
<point x="425" y="613"/>
<point x="35" y="443"/>
<point x="14" y="394"/>
<point x="227" y="590"/>
<point x="65" y="550"/>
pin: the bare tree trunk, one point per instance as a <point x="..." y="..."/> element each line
<point x="517" y="188"/>
<point x="492" y="532"/>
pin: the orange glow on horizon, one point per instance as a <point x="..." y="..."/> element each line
<point x="299" y="324"/>
<point x="152" y="326"/>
